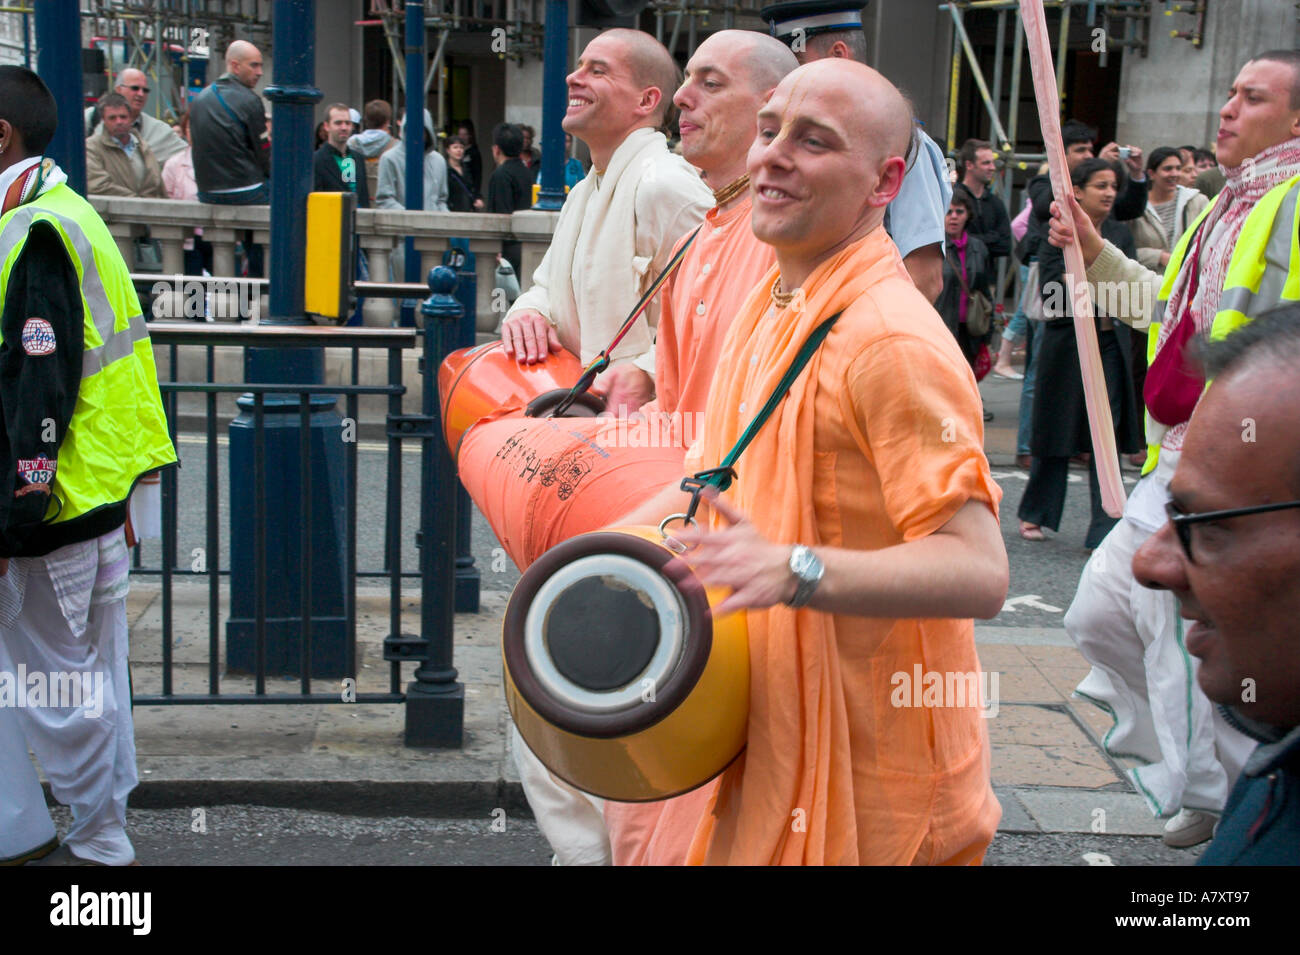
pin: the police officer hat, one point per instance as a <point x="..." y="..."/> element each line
<point x="813" y="17"/>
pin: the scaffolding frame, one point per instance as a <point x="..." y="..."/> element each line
<point x="1135" y="15"/>
<point x="146" y="28"/>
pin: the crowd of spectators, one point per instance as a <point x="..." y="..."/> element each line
<point x="218" y="151"/>
<point x="1142" y="203"/>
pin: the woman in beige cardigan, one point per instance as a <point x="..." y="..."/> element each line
<point x="1171" y="208"/>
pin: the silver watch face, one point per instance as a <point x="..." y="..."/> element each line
<point x="804" y="563"/>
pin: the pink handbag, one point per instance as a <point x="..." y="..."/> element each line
<point x="1020" y="224"/>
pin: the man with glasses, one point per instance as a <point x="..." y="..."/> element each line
<point x="1231" y="266"/>
<point x="157" y="135"/>
<point x="1230" y="554"/>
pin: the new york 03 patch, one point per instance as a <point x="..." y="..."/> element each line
<point x="38" y="472"/>
<point x="38" y="337"/>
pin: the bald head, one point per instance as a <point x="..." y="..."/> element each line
<point x="827" y="160"/>
<point x="244" y="62"/>
<point x="650" y="64"/>
<point x="876" y="109"/>
<point x="758" y="59"/>
<point x="728" y="78"/>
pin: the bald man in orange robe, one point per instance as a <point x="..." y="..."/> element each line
<point x="866" y="500"/>
<point x="729" y="77"/>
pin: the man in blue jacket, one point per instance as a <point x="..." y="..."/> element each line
<point x="1231" y="554"/>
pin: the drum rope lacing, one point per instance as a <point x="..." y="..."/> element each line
<point x="601" y="361"/>
<point x="724" y="474"/>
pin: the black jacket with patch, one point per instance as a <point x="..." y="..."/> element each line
<point x="38" y="394"/>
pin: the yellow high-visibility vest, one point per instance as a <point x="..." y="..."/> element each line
<point x="1263" y="273"/>
<point x="118" y="431"/>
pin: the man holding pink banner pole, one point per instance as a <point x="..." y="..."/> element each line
<point x="1232" y="264"/>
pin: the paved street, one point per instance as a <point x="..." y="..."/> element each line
<point x="1042" y="574"/>
<point x="259" y="835"/>
<point x="324" y="784"/>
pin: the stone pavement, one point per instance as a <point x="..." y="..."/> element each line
<point x="1049" y="769"/>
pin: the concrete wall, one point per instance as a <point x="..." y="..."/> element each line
<point x="338" y="54"/>
<point x="1173" y="96"/>
<point x="910" y="42"/>
<point x="523" y="99"/>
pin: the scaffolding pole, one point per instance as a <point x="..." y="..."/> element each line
<point x="978" y="75"/>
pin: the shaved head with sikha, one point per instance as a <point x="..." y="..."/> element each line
<point x="827" y="160"/>
<point x="728" y="78"/>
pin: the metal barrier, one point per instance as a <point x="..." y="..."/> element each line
<point x="431" y="649"/>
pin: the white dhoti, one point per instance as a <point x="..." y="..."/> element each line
<point x="86" y="751"/>
<point x="1142" y="674"/>
<point x="572" y="821"/>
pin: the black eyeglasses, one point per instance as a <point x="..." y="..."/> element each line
<point x="1183" y="522"/>
<point x="136" y="89"/>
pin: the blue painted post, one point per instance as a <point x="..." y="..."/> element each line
<point x="58" y="63"/>
<point x="435" y="702"/>
<point x="468" y="578"/>
<point x="413" y="135"/>
<point x="555" y="98"/>
<point x="292" y="95"/>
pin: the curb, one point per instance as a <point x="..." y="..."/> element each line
<point x="433" y="799"/>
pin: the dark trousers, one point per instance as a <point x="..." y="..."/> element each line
<point x="198" y="258"/>
<point x="1044" y="499"/>
<point x="970" y="347"/>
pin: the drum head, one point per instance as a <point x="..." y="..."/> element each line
<point x="606" y="634"/>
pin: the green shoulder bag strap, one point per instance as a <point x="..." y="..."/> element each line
<point x="724" y="474"/>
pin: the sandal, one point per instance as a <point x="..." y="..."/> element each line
<point x="1031" y="532"/>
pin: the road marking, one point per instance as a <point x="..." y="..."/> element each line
<point x="1072" y="478"/>
<point x="1029" y="600"/>
<point x="1097" y="858"/>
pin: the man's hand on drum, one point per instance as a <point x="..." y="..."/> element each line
<point x="528" y="337"/>
<point x="739" y="557"/>
<point x="627" y="388"/>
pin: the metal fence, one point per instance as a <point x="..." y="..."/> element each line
<point x="431" y="648"/>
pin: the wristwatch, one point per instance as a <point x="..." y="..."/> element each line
<point x="808" y="570"/>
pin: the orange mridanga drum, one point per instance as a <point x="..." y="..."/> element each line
<point x="483" y="382"/>
<point x="618" y="675"/>
<point x="541" y="481"/>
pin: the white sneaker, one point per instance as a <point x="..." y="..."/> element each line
<point x="1188" y="828"/>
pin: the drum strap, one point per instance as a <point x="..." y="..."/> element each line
<point x="601" y="361"/>
<point x="722" y="476"/>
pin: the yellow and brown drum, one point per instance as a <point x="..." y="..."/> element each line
<point x="618" y="675"/>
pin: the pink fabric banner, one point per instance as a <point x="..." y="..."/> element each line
<point x="1104" y="452"/>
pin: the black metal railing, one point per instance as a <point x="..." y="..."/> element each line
<point x="209" y="337"/>
<point x="434" y="700"/>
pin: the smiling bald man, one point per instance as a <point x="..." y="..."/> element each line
<point x="860" y="535"/>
